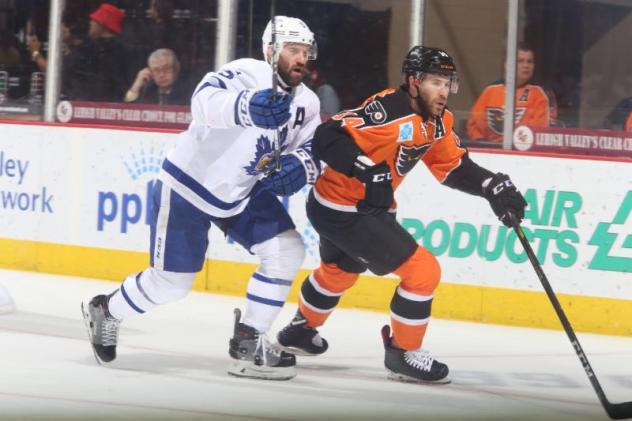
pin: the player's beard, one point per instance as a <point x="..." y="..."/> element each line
<point x="288" y="79"/>
<point x="428" y="106"/>
<point x="422" y="103"/>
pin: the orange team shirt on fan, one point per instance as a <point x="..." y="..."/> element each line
<point x="385" y="128"/>
<point x="628" y="123"/>
<point x="486" y="121"/>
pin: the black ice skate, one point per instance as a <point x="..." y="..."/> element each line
<point x="299" y="339"/>
<point x="102" y="328"/>
<point x="253" y="356"/>
<point x="412" y="366"/>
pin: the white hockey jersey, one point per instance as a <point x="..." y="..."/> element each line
<point x="214" y="164"/>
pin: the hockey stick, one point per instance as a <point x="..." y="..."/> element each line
<point x="275" y="68"/>
<point x="616" y="411"/>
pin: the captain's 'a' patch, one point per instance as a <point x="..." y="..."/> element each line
<point x="376" y="112"/>
<point x="439" y="128"/>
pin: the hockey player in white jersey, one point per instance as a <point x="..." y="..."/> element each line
<point x="223" y="171"/>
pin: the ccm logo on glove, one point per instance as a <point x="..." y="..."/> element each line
<point x="504" y="198"/>
<point x="378" y="190"/>
<point x="378" y="178"/>
<point x="501" y="186"/>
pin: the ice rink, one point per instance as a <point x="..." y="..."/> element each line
<point x="172" y="365"/>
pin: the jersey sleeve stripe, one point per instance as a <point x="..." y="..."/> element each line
<point x="220" y="84"/>
<point x="196" y="187"/>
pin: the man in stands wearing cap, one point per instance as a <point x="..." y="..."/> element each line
<point x="100" y="73"/>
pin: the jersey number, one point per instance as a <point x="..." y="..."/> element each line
<point x="228" y="74"/>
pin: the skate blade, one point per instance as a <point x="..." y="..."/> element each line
<point x="407" y="379"/>
<point x="86" y="322"/>
<point x="296" y="351"/>
<point x="247" y="369"/>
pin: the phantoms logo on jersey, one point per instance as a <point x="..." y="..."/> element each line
<point x="375" y="111"/>
<point x="408" y="156"/>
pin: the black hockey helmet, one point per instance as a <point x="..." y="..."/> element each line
<point x="421" y="60"/>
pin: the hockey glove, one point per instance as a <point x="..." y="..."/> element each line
<point x="261" y="109"/>
<point x="504" y="197"/>
<point x="378" y="191"/>
<point x="297" y="169"/>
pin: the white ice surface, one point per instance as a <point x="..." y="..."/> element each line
<point x="172" y="365"/>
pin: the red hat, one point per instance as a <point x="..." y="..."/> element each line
<point x="109" y="16"/>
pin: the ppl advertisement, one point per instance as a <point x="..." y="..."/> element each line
<point x="91" y="187"/>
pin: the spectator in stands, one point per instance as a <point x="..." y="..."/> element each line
<point x="99" y="73"/>
<point x="329" y="102"/>
<point x="161" y="29"/>
<point x="620" y="118"/>
<point x="74" y="35"/>
<point x="158" y="83"/>
<point x="533" y="106"/>
<point x="9" y="53"/>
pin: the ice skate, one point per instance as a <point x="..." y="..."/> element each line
<point x="299" y="339"/>
<point x="412" y="366"/>
<point x="253" y="356"/>
<point x="102" y="328"/>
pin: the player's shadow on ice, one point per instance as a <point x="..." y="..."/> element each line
<point x="189" y="366"/>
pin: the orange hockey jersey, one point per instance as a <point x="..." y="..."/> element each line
<point x="486" y="120"/>
<point x="628" y="124"/>
<point x="386" y="128"/>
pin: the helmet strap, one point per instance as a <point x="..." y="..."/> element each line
<point x="282" y="81"/>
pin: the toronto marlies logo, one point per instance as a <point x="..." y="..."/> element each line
<point x="264" y="154"/>
<point x="408" y="156"/>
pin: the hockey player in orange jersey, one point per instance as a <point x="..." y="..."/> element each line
<point x="533" y="105"/>
<point x="369" y="150"/>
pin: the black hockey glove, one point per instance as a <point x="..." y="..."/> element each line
<point x="504" y="197"/>
<point x="378" y="192"/>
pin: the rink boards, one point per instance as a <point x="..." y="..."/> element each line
<point x="74" y="201"/>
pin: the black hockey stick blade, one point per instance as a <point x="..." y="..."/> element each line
<point x="616" y="411"/>
<point x="619" y="411"/>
